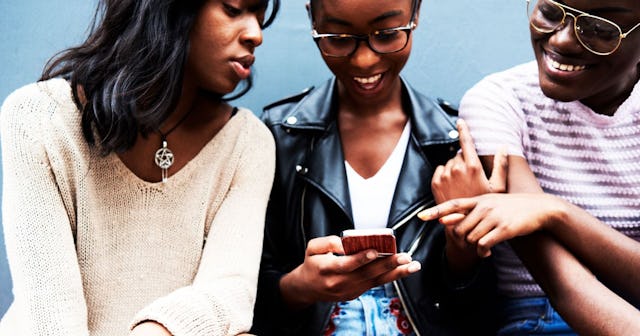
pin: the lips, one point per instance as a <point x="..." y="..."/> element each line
<point x="242" y="65"/>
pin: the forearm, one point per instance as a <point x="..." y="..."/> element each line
<point x="294" y="296"/>
<point x="577" y="295"/>
<point x="612" y="256"/>
<point x="583" y="301"/>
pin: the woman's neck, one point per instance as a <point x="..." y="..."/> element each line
<point x="608" y="102"/>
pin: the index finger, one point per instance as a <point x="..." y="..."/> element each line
<point x="458" y="205"/>
<point x="467" y="145"/>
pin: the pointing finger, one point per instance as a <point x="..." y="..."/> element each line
<point x="459" y="205"/>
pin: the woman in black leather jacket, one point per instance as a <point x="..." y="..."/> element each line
<point x="352" y="128"/>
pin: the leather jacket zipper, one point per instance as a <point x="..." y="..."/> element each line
<point x="411" y="215"/>
<point x="404" y="306"/>
<point x="412" y="249"/>
<point x="302" y="230"/>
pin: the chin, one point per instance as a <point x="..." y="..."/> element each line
<point x="558" y="92"/>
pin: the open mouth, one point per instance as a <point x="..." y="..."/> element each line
<point x="368" y="83"/>
<point x="567" y="67"/>
<point x="553" y="62"/>
<point x="368" y="80"/>
<point x="242" y="66"/>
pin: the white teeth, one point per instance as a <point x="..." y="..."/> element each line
<point x="368" y="80"/>
<point x="567" y="67"/>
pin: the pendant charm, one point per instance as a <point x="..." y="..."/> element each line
<point x="164" y="159"/>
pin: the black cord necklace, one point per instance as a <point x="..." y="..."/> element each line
<point x="164" y="155"/>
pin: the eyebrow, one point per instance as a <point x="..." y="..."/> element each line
<point x="377" y="19"/>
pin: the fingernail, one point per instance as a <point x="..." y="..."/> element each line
<point x="371" y="255"/>
<point x="404" y="259"/>
<point x="424" y="215"/>
<point x="414" y="266"/>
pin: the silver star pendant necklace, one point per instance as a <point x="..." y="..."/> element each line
<point x="164" y="155"/>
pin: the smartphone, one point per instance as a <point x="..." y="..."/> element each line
<point x="381" y="240"/>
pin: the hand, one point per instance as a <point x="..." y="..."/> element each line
<point x="490" y="219"/>
<point x="463" y="175"/>
<point x="149" y="328"/>
<point x="325" y="276"/>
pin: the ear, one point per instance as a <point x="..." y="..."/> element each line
<point x="416" y="19"/>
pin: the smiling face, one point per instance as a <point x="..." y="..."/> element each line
<point x="365" y="77"/>
<point x="569" y="72"/>
<point x="222" y="41"/>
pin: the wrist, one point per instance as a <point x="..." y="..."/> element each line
<point x="460" y="262"/>
<point x="557" y="214"/>
<point x="293" y="293"/>
<point x="459" y="277"/>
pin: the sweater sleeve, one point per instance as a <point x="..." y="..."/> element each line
<point x="220" y="300"/>
<point x="47" y="285"/>
<point x="494" y="115"/>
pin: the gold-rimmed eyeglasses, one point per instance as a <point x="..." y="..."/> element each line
<point x="384" y="41"/>
<point x="598" y="35"/>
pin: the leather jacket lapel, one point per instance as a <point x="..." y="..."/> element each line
<point x="327" y="171"/>
<point x="408" y="194"/>
<point x="324" y="166"/>
<point x="428" y="131"/>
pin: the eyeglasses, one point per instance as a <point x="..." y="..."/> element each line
<point x="384" y="41"/>
<point x="598" y="35"/>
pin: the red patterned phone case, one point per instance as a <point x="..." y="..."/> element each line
<point x="381" y="240"/>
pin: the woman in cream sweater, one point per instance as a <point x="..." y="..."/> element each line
<point x="130" y="183"/>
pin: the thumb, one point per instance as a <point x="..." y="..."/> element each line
<point x="498" y="180"/>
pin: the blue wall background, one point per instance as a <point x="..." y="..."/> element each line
<point x="456" y="44"/>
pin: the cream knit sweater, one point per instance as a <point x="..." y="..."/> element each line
<point x="93" y="249"/>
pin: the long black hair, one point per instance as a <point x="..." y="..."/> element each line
<point x="130" y="68"/>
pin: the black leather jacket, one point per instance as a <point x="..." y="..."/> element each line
<point x="310" y="198"/>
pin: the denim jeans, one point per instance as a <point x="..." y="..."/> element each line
<point x="531" y="316"/>
<point x="377" y="311"/>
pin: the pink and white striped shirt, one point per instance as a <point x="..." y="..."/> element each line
<point x="589" y="159"/>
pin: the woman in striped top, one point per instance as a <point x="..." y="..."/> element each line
<point x="570" y="125"/>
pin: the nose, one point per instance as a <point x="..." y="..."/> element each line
<point x="564" y="38"/>
<point x="252" y="33"/>
<point x="364" y="57"/>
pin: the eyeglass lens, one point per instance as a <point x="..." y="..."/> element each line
<point x="381" y="41"/>
<point x="596" y="34"/>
